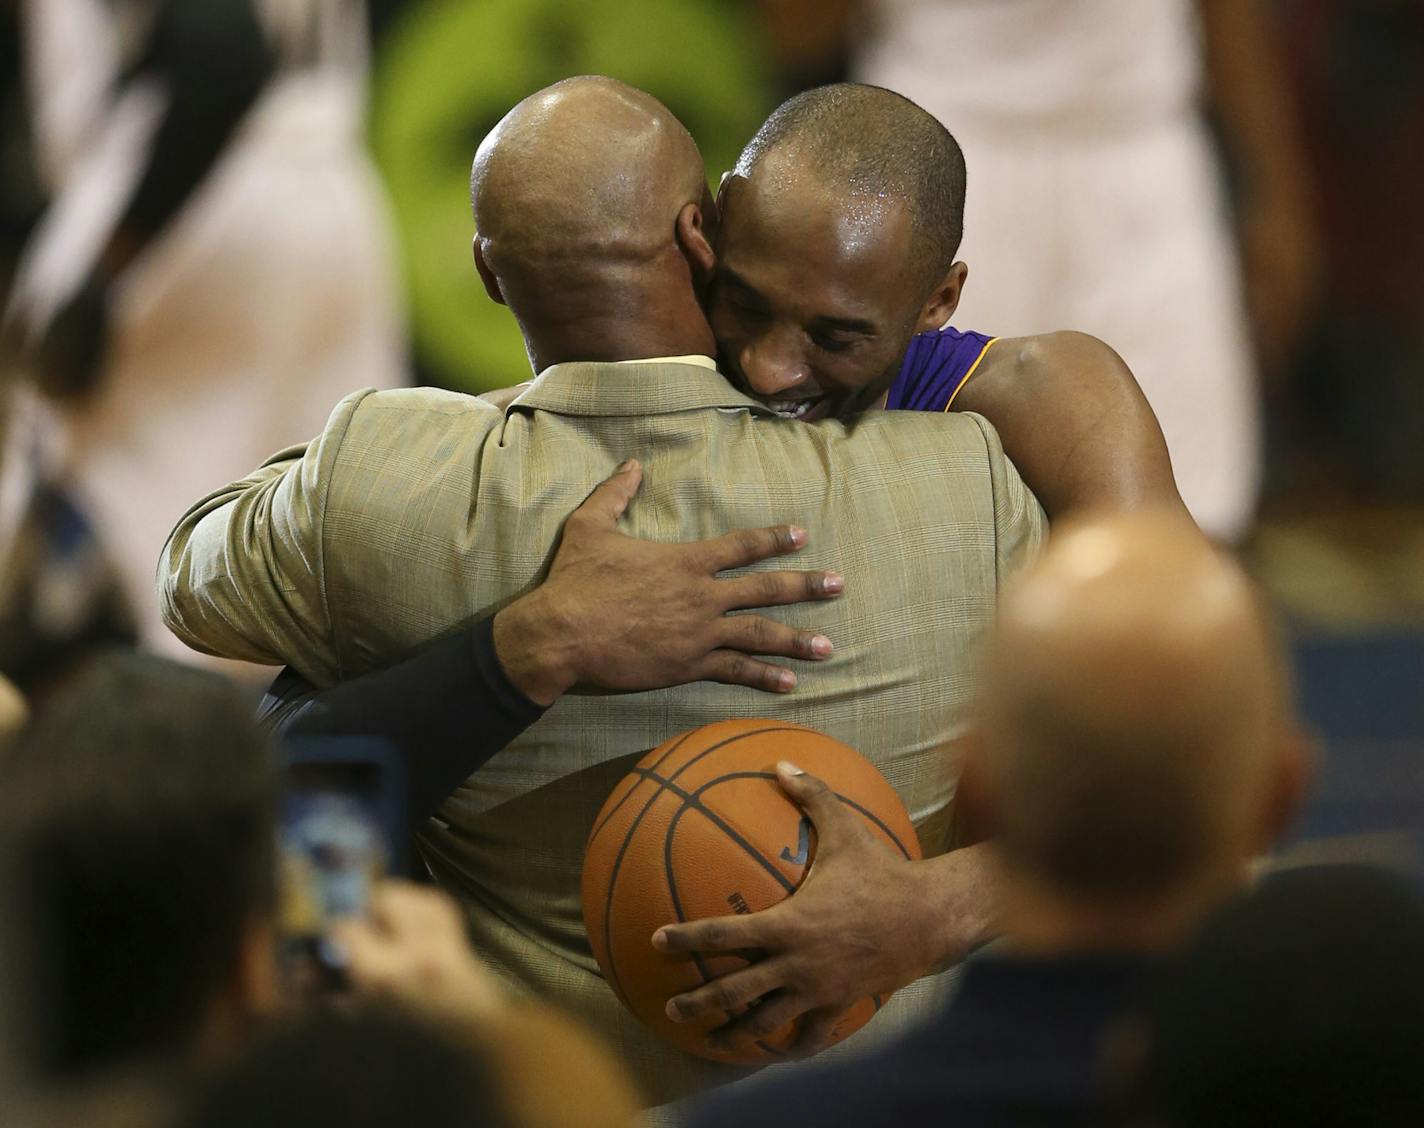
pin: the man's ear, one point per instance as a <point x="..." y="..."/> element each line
<point x="694" y="239"/>
<point x="939" y="307"/>
<point x="1295" y="768"/>
<point x="487" y="275"/>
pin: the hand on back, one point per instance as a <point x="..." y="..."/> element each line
<point x="628" y="615"/>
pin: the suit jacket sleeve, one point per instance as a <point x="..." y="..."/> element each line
<point x="242" y="574"/>
<point x="1020" y="526"/>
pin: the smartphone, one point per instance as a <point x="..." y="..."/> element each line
<point x="342" y="826"/>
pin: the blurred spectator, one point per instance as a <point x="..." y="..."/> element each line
<point x="445" y="1050"/>
<point x="1136" y="751"/>
<point x="1359" y="82"/>
<point x="368" y="1069"/>
<point x="138" y="1098"/>
<point x="136" y="833"/>
<point x="1095" y="200"/>
<point x="136" y="811"/>
<point x="1301" y="1004"/>
<point x="214" y="273"/>
<point x="60" y="596"/>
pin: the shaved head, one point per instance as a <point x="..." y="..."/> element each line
<point x="586" y="176"/>
<point x="1135" y="703"/>
<point x="871" y="148"/>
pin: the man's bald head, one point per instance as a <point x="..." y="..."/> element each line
<point x="1135" y="709"/>
<point x="872" y="149"/>
<point x="585" y="177"/>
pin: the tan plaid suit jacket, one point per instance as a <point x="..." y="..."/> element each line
<point x="417" y="510"/>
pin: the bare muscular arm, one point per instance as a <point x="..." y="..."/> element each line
<point x="1075" y="423"/>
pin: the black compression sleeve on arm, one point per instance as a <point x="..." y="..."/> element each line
<point x="448" y="709"/>
<point x="214" y="60"/>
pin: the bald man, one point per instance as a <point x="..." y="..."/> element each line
<point x="1136" y="749"/>
<point x="419" y="510"/>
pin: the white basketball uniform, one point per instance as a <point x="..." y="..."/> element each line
<point x="1094" y="203"/>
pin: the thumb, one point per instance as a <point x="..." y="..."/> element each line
<point x="813" y="796"/>
<point x="612" y="496"/>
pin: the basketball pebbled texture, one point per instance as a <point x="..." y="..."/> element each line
<point x="700" y="828"/>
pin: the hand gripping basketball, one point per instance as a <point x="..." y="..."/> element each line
<point x="842" y="937"/>
<point x="704" y="825"/>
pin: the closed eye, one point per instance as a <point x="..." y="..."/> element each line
<point x="834" y="343"/>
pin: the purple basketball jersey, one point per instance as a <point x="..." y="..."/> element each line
<point x="936" y="366"/>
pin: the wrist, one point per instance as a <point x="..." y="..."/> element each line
<point x="536" y="652"/>
<point x="959" y="895"/>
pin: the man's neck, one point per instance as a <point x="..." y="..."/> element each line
<point x="1040" y="921"/>
<point x="627" y="327"/>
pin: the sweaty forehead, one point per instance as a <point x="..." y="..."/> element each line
<point x="788" y="225"/>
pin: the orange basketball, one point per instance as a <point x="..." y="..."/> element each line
<point x="701" y="828"/>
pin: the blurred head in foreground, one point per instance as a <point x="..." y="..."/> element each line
<point x="1137" y="746"/>
<point x="1301" y="1004"/>
<point x="378" y="1065"/>
<point x="331" y="1070"/>
<point x="136" y="809"/>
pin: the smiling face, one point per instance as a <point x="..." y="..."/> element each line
<point x="817" y="294"/>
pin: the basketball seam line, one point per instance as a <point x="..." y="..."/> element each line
<point x="692" y="801"/>
<point x="614" y="981"/>
<point x="680" y="742"/>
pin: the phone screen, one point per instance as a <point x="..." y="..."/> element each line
<point x="341" y="829"/>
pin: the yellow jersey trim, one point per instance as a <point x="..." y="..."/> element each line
<point x="973" y="368"/>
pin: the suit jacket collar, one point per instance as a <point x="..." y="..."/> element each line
<point x="611" y="389"/>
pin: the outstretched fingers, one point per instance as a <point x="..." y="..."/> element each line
<point x="774" y="589"/>
<point x="612" y="496"/>
<point x="741" y="547"/>
<point x="756" y="634"/>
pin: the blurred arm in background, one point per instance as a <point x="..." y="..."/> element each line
<point x="209" y="62"/>
<point x="1280" y="252"/>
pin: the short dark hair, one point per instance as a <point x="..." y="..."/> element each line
<point x="867" y="139"/>
<point x="373" y="1067"/>
<point x="137" y="812"/>
<point x="1300" y="1003"/>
